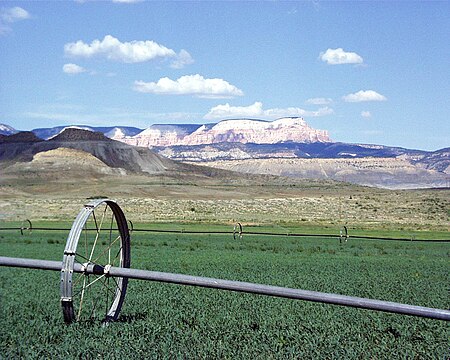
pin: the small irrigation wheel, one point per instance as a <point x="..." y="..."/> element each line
<point x="99" y="238"/>
<point x="343" y="234"/>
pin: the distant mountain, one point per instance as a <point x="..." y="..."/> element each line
<point x="7" y="130"/>
<point x="372" y="165"/>
<point x="77" y="155"/>
<point x="23" y="146"/>
<point x="77" y="134"/>
<point x="437" y="160"/>
<point x="239" y="151"/>
<point x="20" y="137"/>
<point x="242" y="140"/>
<point x="160" y="135"/>
<point x="47" y="133"/>
<point x="231" y="131"/>
<point x="392" y="173"/>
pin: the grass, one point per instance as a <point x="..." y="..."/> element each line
<point x="171" y="321"/>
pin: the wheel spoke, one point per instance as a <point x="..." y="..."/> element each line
<point x="79" y="277"/>
<point x="85" y="240"/>
<point x="98" y="228"/>
<point x="97" y="279"/>
<point x="107" y="295"/>
<point x="105" y="251"/>
<point x="117" y="284"/>
<point x="113" y="290"/>
<point x="81" y="256"/>
<point x="81" y="298"/>
<point x="110" y="237"/>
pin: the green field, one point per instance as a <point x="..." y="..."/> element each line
<point x="172" y="321"/>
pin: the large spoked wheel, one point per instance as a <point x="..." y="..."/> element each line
<point x="99" y="238"/>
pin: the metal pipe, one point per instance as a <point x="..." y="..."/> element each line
<point x="31" y="263"/>
<point x="200" y="232"/>
<point x="247" y="287"/>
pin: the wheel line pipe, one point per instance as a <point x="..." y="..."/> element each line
<point x="239" y="286"/>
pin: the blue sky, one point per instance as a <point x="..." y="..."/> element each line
<point x="368" y="72"/>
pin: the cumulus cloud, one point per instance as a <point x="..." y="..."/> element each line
<point x="256" y="110"/>
<point x="339" y="56"/>
<point x="319" y="101"/>
<point x="73" y="69"/>
<point x="127" y="52"/>
<point x="366" y="114"/>
<point x="227" y="111"/>
<point x="11" y="15"/>
<point x="195" y="85"/>
<point x="364" y="95"/>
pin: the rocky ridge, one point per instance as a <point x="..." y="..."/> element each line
<point x="391" y="173"/>
<point x="62" y="163"/>
<point x="22" y="147"/>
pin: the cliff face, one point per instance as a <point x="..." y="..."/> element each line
<point x="242" y="131"/>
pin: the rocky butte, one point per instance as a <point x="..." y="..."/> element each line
<point x="290" y="129"/>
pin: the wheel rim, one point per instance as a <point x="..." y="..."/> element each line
<point x="99" y="238"/>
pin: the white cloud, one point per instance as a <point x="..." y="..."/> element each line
<point x="195" y="85"/>
<point x="319" y="101"/>
<point x="183" y="58"/>
<point x="115" y="50"/>
<point x="339" y="56"/>
<point x="73" y="69"/>
<point x="366" y="114"/>
<point x="228" y="111"/>
<point x="11" y="15"/>
<point x="256" y="110"/>
<point x="294" y="111"/>
<point x="364" y="95"/>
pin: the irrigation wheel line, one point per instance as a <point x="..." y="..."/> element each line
<point x="26" y="225"/>
<point x="98" y="240"/>
<point x="343" y="235"/>
<point x="96" y="268"/>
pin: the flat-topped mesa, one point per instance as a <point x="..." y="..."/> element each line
<point x="160" y="135"/>
<point x="79" y="134"/>
<point x="236" y="130"/>
<point x="256" y="131"/>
